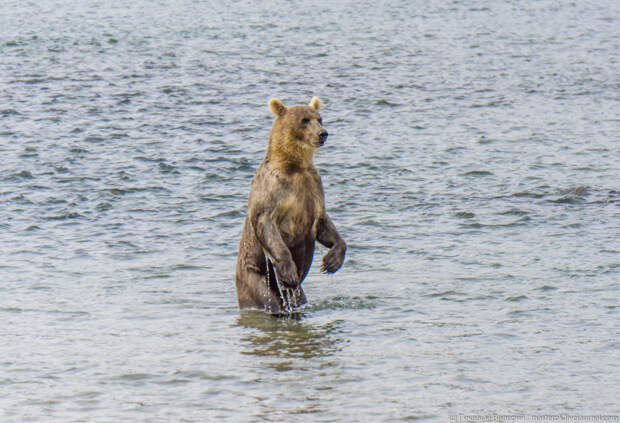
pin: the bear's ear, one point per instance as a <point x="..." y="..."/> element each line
<point x="315" y="103"/>
<point x="276" y="107"/>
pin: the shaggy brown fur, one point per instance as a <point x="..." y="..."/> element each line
<point x="286" y="215"/>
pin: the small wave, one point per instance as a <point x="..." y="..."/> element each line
<point x="344" y="303"/>
<point x="492" y="103"/>
<point x="78" y="150"/>
<point x="445" y="294"/>
<point x="574" y="195"/>
<point x="12" y="310"/>
<point x="9" y="112"/>
<point x="104" y="206"/>
<point x="516" y="298"/>
<point x="65" y="216"/>
<point x="513" y="212"/>
<point x="465" y="215"/>
<point x="384" y="102"/>
<point x="167" y="168"/>
<point x="477" y="173"/>
<point x="24" y="174"/>
<point x="94" y="139"/>
<point x="55" y="200"/>
<point x="568" y="199"/>
<point x="227" y="213"/>
<point x="136" y="377"/>
<point x="519" y="222"/>
<point x="214" y="177"/>
<point x="546" y="288"/>
<point x="527" y="194"/>
<point x="370" y="222"/>
<point x="245" y="165"/>
<point x="132" y="190"/>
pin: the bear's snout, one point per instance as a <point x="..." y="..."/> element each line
<point x="323" y="136"/>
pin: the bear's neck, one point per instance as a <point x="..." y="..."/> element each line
<point x="290" y="157"/>
<point x="289" y="164"/>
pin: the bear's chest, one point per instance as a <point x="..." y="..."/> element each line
<point x="299" y="207"/>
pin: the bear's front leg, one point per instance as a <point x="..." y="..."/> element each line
<point x="277" y="251"/>
<point x="329" y="237"/>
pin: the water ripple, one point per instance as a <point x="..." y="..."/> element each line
<point x="472" y="168"/>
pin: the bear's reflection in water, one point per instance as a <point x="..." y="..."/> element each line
<point x="289" y="336"/>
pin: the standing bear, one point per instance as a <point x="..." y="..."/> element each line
<point x="286" y="214"/>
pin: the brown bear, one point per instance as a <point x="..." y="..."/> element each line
<point x="286" y="214"/>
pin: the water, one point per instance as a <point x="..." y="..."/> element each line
<point x="472" y="167"/>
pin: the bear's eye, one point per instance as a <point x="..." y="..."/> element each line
<point x="321" y="121"/>
<point x="305" y="121"/>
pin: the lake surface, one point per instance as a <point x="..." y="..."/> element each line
<point x="473" y="167"/>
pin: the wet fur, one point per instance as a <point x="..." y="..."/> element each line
<point x="286" y="215"/>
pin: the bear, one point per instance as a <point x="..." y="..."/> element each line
<point x="286" y="215"/>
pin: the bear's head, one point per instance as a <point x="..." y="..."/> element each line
<point x="296" y="133"/>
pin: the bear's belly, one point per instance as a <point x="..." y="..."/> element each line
<point x="296" y="229"/>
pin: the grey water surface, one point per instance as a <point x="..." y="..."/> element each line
<point x="473" y="167"/>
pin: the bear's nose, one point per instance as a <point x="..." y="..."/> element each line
<point x="323" y="136"/>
